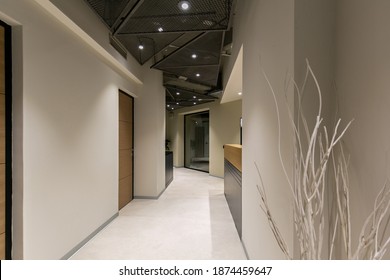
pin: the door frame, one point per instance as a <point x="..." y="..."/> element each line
<point x="8" y="138"/>
<point x="185" y="139"/>
<point x="120" y="91"/>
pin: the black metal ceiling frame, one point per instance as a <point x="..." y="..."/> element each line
<point x="123" y="19"/>
<point x="186" y="91"/>
<point x="127" y="13"/>
<point x="177" y="102"/>
<point x="155" y="66"/>
<point x="154" y="46"/>
<point x="178" y="49"/>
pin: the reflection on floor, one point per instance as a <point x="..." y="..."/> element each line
<point x="203" y="166"/>
<point x="191" y="220"/>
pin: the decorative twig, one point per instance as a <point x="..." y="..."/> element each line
<point x="311" y="160"/>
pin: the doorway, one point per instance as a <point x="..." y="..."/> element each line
<point x="196" y="141"/>
<point x="126" y="148"/>
<point x="5" y="142"/>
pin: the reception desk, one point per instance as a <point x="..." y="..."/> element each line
<point x="232" y="182"/>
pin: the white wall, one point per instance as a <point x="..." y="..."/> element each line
<point x="266" y="31"/>
<point x="314" y="40"/>
<point x="83" y="15"/>
<point x="224" y="129"/>
<point x="149" y="141"/>
<point x="277" y="36"/>
<point x="269" y="36"/>
<point x="362" y="78"/>
<point x="66" y="133"/>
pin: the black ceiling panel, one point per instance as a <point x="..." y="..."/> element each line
<point x="178" y="98"/>
<point x="203" y="50"/>
<point x="111" y="10"/>
<point x="166" y="16"/>
<point x="186" y="43"/>
<point x="152" y="44"/>
<point x="208" y="75"/>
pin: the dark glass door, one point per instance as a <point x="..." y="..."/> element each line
<point x="197" y="141"/>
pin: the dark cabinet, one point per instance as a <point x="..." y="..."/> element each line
<point x="168" y="168"/>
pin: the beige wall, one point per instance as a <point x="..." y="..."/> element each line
<point x="149" y="138"/>
<point x="224" y="129"/>
<point x="362" y="78"/>
<point x="277" y="36"/>
<point x="314" y="40"/>
<point x="65" y="107"/>
<point x="266" y="31"/>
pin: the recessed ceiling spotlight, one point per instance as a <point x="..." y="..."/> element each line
<point x="194" y="97"/>
<point x="194" y="56"/>
<point x="240" y="93"/>
<point x="177" y="103"/>
<point x="168" y="106"/>
<point x="160" y="29"/>
<point x="200" y="99"/>
<point x="184" y="5"/>
<point x="194" y="103"/>
<point x="177" y="93"/>
<point x="141" y="47"/>
<point x="197" y="74"/>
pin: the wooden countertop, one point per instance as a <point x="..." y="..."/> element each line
<point x="233" y="153"/>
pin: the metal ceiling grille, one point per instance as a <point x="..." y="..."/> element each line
<point x="179" y="98"/>
<point x="203" y="50"/>
<point x="206" y="75"/>
<point x="152" y="44"/>
<point x="110" y="10"/>
<point x="185" y="41"/>
<point x="167" y="16"/>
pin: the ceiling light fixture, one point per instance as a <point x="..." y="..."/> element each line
<point x="240" y="93"/>
<point x="184" y="5"/>
<point x="197" y="74"/>
<point x="177" y="93"/>
<point x="177" y="103"/>
<point x="168" y="106"/>
<point x="141" y="47"/>
<point x="160" y="29"/>
<point x="194" y="103"/>
<point x="194" y="56"/>
<point x="194" y="97"/>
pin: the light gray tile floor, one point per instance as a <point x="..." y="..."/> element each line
<point x="191" y="220"/>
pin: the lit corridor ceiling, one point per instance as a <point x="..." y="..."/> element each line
<point x="184" y="39"/>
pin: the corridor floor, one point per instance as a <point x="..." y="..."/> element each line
<point x="191" y="220"/>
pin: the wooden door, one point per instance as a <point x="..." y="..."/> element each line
<point x="2" y="143"/>
<point x="126" y="105"/>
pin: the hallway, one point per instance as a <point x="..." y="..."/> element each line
<point x="191" y="220"/>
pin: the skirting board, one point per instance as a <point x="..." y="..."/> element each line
<point x="150" y="197"/>
<point x="89" y="237"/>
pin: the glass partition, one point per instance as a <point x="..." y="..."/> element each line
<point x="196" y="141"/>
